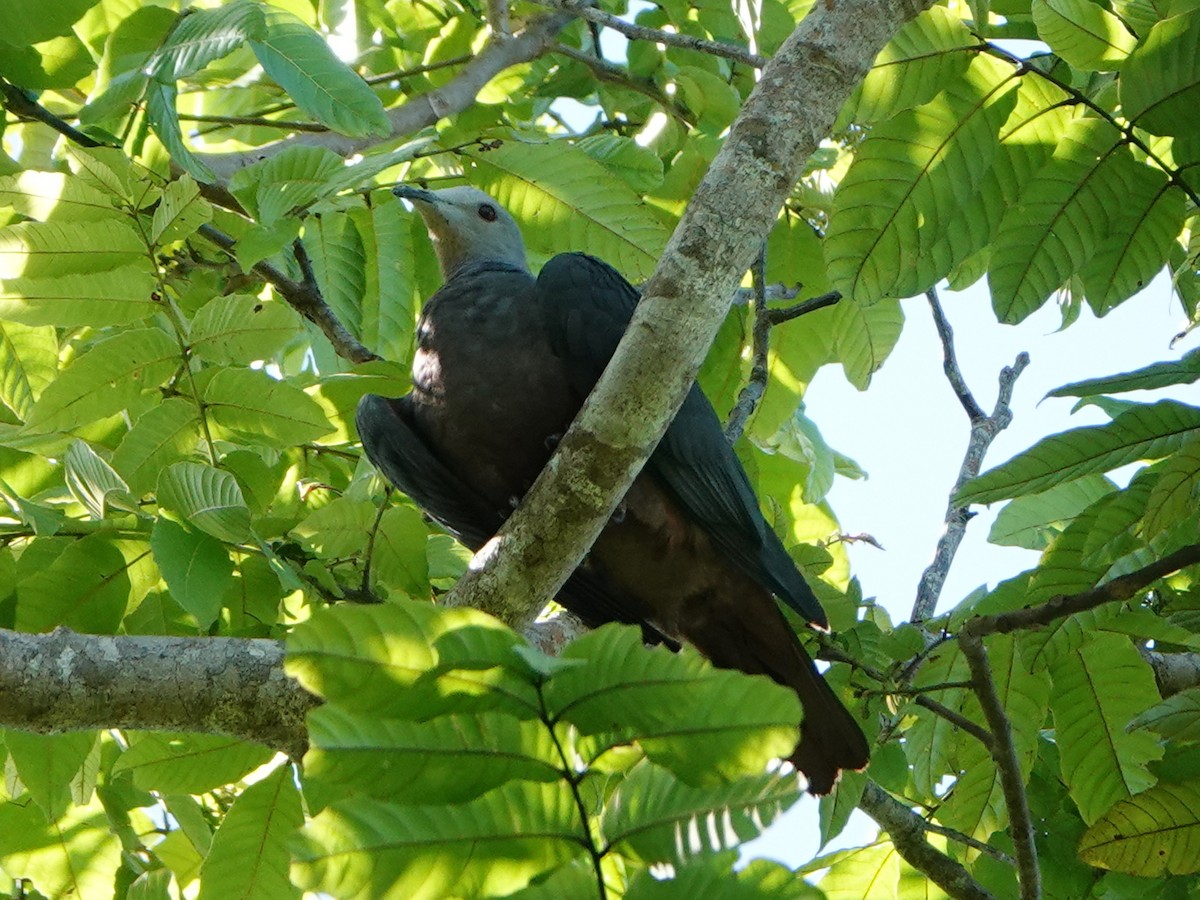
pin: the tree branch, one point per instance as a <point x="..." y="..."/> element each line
<point x="1004" y="753"/>
<point x="984" y="430"/>
<point x="780" y="126"/>
<point x="1174" y="672"/>
<point x="907" y="831"/>
<point x="655" y="35"/>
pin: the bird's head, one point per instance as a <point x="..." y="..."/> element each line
<point x="467" y="226"/>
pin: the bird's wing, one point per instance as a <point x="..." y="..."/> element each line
<point x="587" y="307"/>
<point x="395" y="446"/>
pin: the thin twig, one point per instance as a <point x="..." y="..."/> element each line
<point x="907" y="831"/>
<point x="304" y="297"/>
<point x="1004" y="753"/>
<point x="19" y="104"/>
<point x="669" y="38"/>
<point x="610" y="72"/>
<point x="258" y="121"/>
<point x="786" y="313"/>
<point x="984" y="429"/>
<point x="754" y="389"/>
<point x="957" y="719"/>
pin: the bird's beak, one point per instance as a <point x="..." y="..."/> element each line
<point x="408" y="192"/>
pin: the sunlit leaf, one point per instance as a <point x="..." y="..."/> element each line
<point x="1032" y="521"/>
<point x="252" y="403"/>
<point x="208" y="498"/>
<point x="162" y="435"/>
<point x="196" y="567"/>
<point x="1083" y="33"/>
<point x="204" y="35"/>
<point x="180" y="212"/>
<point x="1154" y="834"/>
<point x="94" y="483"/>
<point x="1160" y="82"/>
<point x="188" y="763"/>
<point x="238" y="328"/>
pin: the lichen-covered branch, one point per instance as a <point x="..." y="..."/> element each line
<point x="907" y="831"/>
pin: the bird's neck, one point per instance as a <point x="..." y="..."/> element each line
<point x="468" y="267"/>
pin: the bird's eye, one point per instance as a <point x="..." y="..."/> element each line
<point x="487" y="212"/>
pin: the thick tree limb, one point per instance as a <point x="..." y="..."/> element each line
<point x="984" y="429"/>
<point x="1174" y="672"/>
<point x="781" y="124"/>
<point x="64" y="681"/>
<point x="907" y="831"/>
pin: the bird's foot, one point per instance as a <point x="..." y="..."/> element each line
<point x="552" y="442"/>
<point x="618" y="514"/>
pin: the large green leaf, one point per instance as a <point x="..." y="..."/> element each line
<point x="35" y="249"/>
<point x="388" y="310"/>
<point x="865" y="337"/>
<point x="653" y="817"/>
<point x="30" y="22"/>
<point x="249" y="856"/>
<point x="1177" y="718"/>
<point x="105" y="379"/>
<point x="188" y="763"/>
<point x="336" y="251"/>
<point x="48" y="765"/>
<point x="665" y="701"/>
<point x="76" y="856"/>
<point x="1032" y="521"/>
<point x="94" y="483"/>
<point x="400" y="559"/>
<point x="1098" y="689"/>
<point x="1142" y="432"/>
<point x="720" y="875"/>
<point x="55" y="196"/>
<point x="250" y="402"/>
<point x="1154" y="834"/>
<point x="163" y="118"/>
<point x="487" y="847"/>
<point x="162" y="435"/>
<point x="565" y="200"/>
<point x="1061" y="219"/>
<point x="196" y="567"/>
<point x="1083" y="33"/>
<point x="1185" y="370"/>
<point x="1160" y="82"/>
<point x="1174" y="496"/>
<point x="208" y="498"/>
<point x="180" y="212"/>
<point x="448" y="759"/>
<point x="87" y="587"/>
<point x="292" y="179"/>
<point x="908" y="179"/>
<point x="117" y="297"/>
<point x="204" y="35"/>
<point x="411" y="660"/>
<point x="300" y="61"/>
<point x="925" y="55"/>
<point x="239" y="328"/>
<point x="30" y="356"/>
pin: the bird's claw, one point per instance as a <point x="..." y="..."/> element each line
<point x="618" y="514"/>
<point x="552" y="441"/>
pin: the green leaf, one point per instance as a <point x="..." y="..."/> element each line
<point x="411" y="660"/>
<point x="400" y="559"/>
<point x="1143" y="432"/>
<point x="207" y="498"/>
<point x="118" y="297"/>
<point x="1098" y="689"/>
<point x="33" y="249"/>
<point x="336" y="251"/>
<point x="1177" y="718"/>
<point x="920" y="60"/>
<point x="1160" y="82"/>
<point x="239" y="328"/>
<point x="249" y="855"/>
<point x="293" y="179"/>
<point x="1083" y="33"/>
<point x="655" y="818"/>
<point x="1062" y="218"/>
<point x="1151" y="835"/>
<point x="639" y="167"/>
<point x="54" y="64"/>
<point x="487" y="847"/>
<point x="448" y="759"/>
<point x="340" y="528"/>
<point x="47" y="764"/>
<point x="163" y="118"/>
<point x="717" y="876"/>
<point x="865" y="337"/>
<point x="30" y="363"/>
<point x="931" y="743"/>
<point x="105" y="380"/>
<point x="29" y="22"/>
<point x="563" y="199"/>
<point x="76" y="856"/>
<point x="188" y="763"/>
<point x="196" y="567"/>
<point x="300" y="62"/>
<point x="1033" y="521"/>
<point x="55" y="196"/>
<point x="88" y="587"/>
<point x="665" y="702"/>
<point x="276" y="413"/>
<point x="180" y="212"/>
<point x="205" y="35"/>
<point x="94" y="483"/>
<point x="390" y="301"/>
<point x="162" y="435"/>
<point x="872" y="871"/>
<point x="921" y="163"/>
<point x="1173" y="497"/>
<point x="1164" y="374"/>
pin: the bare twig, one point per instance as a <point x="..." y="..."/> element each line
<point x="19" y="104"/>
<point x="259" y="121"/>
<point x="669" y="38"/>
<point x="606" y="71"/>
<point x="497" y="16"/>
<point x="1122" y="588"/>
<point x="984" y="429"/>
<point x="907" y="831"/>
<point x="303" y="296"/>
<point x="786" y="313"/>
<point x="1004" y="753"/>
<point x="957" y="719"/>
<point x="754" y="389"/>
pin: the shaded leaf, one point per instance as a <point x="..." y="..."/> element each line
<point x="30" y="363"/>
<point x="1154" y="834"/>
<point x="162" y="435"/>
<point x="273" y="412"/>
<point x="1034" y="520"/>
<point x="239" y="328"/>
<point x="207" y="498"/>
<point x="196" y="567"/>
<point x="47" y="764"/>
<point x="1185" y="370"/>
<point x="118" y="297"/>
<point x="1160" y="82"/>
<point x="94" y="483"/>
<point x="188" y="763"/>
<point x="1176" y="718"/>
<point x="180" y="212"/>
<point x="204" y="35"/>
